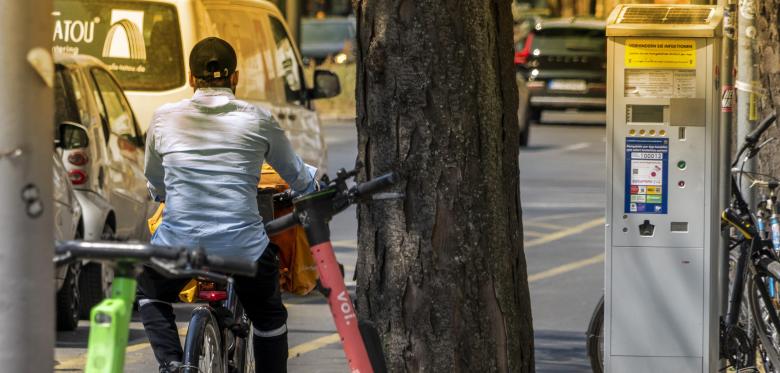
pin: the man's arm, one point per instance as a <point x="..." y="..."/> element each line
<point x="283" y="159"/>
<point x="153" y="169"/>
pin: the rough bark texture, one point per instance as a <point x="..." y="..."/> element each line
<point x="768" y="16"/>
<point x="442" y="272"/>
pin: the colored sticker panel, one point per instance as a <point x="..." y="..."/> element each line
<point x="647" y="167"/>
<point x="664" y="53"/>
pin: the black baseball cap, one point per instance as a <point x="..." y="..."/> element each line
<point x="212" y="58"/>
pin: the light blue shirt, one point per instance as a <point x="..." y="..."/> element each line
<point x="203" y="158"/>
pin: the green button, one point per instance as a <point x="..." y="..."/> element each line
<point x="681" y="165"/>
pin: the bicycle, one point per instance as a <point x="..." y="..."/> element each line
<point x="110" y="319"/>
<point x="754" y="266"/>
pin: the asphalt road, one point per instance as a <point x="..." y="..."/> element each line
<point x="562" y="174"/>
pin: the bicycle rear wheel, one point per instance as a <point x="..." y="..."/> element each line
<point x="768" y="332"/>
<point x="203" y="344"/>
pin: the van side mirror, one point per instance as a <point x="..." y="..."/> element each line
<point x="326" y="85"/>
<point x="71" y="135"/>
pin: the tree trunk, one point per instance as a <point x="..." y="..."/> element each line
<point x="768" y="16"/>
<point x="442" y="272"/>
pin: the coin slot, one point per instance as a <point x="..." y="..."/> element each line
<point x="681" y="133"/>
<point x="646" y="229"/>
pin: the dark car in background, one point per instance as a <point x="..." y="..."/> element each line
<point x="561" y="71"/>
<point x="328" y="38"/>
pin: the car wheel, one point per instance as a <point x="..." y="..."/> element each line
<point x="95" y="281"/>
<point x="68" y="309"/>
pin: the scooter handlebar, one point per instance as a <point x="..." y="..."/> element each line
<point x="376" y="185"/>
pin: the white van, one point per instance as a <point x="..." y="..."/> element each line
<point x="146" y="45"/>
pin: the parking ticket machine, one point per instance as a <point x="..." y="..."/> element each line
<point x="662" y="267"/>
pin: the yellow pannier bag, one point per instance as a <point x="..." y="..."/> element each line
<point x="297" y="268"/>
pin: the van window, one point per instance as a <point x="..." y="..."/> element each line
<point x="120" y="118"/>
<point x="139" y="41"/>
<point x="245" y="32"/>
<point x="287" y="66"/>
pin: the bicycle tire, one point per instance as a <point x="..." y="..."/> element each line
<point x="595" y="338"/>
<point x="768" y="334"/>
<point x="203" y="351"/>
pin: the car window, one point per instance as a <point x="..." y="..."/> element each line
<point x="116" y="110"/>
<point x="65" y="108"/>
<point x="320" y="32"/>
<point x="572" y="40"/>
<point x="287" y="67"/>
<point x="139" y="41"/>
<point x="245" y="32"/>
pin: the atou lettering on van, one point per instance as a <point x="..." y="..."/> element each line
<point x="121" y="37"/>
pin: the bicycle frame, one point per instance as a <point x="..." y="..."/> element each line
<point x="109" y="324"/>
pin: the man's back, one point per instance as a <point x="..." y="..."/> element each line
<point x="206" y="154"/>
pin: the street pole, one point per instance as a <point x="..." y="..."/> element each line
<point x="747" y="85"/>
<point x="726" y="120"/>
<point x="26" y="146"/>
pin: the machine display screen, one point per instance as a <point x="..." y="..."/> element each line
<point x="645" y="114"/>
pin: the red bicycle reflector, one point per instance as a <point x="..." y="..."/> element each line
<point x="78" y="159"/>
<point x="212" y="296"/>
<point x="77" y="177"/>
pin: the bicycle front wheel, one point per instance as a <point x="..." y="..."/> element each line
<point x="764" y="310"/>
<point x="203" y="344"/>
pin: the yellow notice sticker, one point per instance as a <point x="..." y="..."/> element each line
<point x="653" y="53"/>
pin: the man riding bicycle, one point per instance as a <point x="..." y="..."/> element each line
<point x="203" y="157"/>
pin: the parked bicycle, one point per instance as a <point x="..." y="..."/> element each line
<point x="750" y="329"/>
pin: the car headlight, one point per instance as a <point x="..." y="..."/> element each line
<point x="340" y="58"/>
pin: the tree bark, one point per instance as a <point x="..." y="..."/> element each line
<point x="768" y="16"/>
<point x="442" y="271"/>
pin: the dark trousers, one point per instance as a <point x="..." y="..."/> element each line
<point x="259" y="295"/>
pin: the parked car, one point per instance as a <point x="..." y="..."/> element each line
<point x="146" y="45"/>
<point x="328" y="38"/>
<point x="67" y="226"/>
<point x="107" y="171"/>
<point x="561" y="66"/>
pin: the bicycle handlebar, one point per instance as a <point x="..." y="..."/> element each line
<point x="67" y="251"/>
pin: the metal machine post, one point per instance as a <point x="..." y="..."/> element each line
<point x="747" y="85"/>
<point x="662" y="294"/>
<point x="726" y="126"/>
<point x="26" y="146"/>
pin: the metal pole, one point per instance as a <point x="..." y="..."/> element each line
<point x="747" y="85"/>
<point x="26" y="129"/>
<point x="726" y="120"/>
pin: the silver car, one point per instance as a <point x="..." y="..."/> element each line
<point x="107" y="172"/>
<point x="67" y="226"/>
